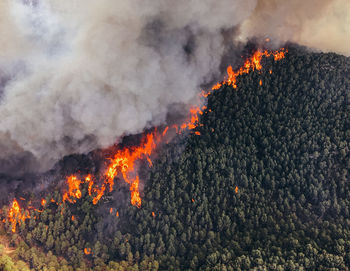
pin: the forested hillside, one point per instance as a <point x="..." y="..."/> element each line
<point x="265" y="186"/>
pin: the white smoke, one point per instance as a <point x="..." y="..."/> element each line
<point x="83" y="73"/>
<point x="319" y="24"/>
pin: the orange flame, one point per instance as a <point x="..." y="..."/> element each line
<point x="15" y="215"/>
<point x="73" y="189"/>
<point x="87" y="251"/>
<point x="251" y="64"/>
<point x="165" y="131"/>
<point x="124" y="161"/>
<point x="135" y="194"/>
<point x="88" y="179"/>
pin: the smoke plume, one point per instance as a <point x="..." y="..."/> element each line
<point x="319" y="24"/>
<point x="77" y="75"/>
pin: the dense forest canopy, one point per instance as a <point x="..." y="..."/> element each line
<point x="265" y="186"/>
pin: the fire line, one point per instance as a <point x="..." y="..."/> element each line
<point x="123" y="163"/>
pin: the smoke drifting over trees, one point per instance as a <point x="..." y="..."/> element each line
<point x="78" y="75"/>
<point x="319" y="24"/>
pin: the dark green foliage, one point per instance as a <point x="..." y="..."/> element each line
<point x="284" y="144"/>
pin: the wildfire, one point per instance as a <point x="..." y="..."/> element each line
<point x="251" y="64"/>
<point x="124" y="161"/>
<point x="135" y="194"/>
<point x="87" y="251"/>
<point x="73" y="189"/>
<point x="15" y="215"/>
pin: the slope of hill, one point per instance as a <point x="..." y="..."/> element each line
<point x="264" y="186"/>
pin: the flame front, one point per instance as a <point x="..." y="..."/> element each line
<point x="123" y="163"/>
<point x="251" y="64"/>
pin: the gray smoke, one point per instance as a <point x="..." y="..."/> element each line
<point x="87" y="72"/>
<point x="80" y="74"/>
